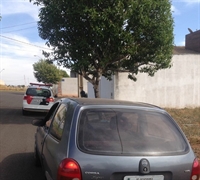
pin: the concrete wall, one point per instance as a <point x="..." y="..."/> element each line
<point x="69" y="87"/>
<point x="177" y="87"/>
<point x="106" y="89"/>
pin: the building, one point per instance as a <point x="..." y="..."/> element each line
<point x="177" y="87"/>
<point x="70" y="87"/>
<point x="193" y="41"/>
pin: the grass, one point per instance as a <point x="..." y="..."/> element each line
<point x="189" y="121"/>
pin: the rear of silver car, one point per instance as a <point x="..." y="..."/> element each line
<point x="127" y="144"/>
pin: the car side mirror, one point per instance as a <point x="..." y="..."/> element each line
<point x="38" y="122"/>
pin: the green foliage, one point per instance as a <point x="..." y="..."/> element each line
<point x="64" y="73"/>
<point x="46" y="73"/>
<point x="102" y="37"/>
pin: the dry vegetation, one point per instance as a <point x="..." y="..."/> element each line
<point x="12" y="88"/>
<point x="189" y="121"/>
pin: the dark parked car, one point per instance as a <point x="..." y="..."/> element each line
<point x="98" y="139"/>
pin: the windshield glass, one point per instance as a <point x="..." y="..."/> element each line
<point x="128" y="131"/>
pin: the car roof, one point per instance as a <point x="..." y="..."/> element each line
<point x="43" y="87"/>
<point x="102" y="101"/>
<point x="39" y="85"/>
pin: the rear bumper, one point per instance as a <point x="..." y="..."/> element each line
<point x="35" y="110"/>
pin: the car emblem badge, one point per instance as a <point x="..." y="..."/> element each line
<point x="144" y="166"/>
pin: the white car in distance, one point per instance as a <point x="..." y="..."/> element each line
<point x="38" y="98"/>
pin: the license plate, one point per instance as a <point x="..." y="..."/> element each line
<point x="36" y="101"/>
<point x="153" y="177"/>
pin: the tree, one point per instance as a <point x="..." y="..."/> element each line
<point x="102" y="37"/>
<point x="64" y="73"/>
<point x="47" y="73"/>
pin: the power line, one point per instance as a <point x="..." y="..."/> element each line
<point x="24" y="50"/>
<point x="18" y="25"/>
<point x="19" y="29"/>
<point x="24" y="42"/>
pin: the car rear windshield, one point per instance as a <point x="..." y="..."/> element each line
<point x="38" y="92"/>
<point x="128" y="131"/>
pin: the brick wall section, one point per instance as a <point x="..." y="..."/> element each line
<point x="192" y="41"/>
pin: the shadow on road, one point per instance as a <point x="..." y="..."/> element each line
<point x="14" y="116"/>
<point x="20" y="167"/>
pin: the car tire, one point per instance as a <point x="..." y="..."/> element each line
<point x="36" y="158"/>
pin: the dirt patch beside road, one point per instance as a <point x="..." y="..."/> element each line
<point x="189" y="121"/>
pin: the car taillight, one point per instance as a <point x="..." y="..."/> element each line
<point x="69" y="169"/>
<point x="195" y="170"/>
<point x="50" y="100"/>
<point x="28" y="98"/>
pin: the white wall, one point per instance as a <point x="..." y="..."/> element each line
<point x="69" y="86"/>
<point x="106" y="89"/>
<point x="90" y="90"/>
<point x="177" y="87"/>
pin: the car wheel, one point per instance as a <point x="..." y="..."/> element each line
<point x="36" y="158"/>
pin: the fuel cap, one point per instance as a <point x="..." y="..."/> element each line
<point x="144" y="166"/>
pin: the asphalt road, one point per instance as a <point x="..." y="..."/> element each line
<point x="17" y="140"/>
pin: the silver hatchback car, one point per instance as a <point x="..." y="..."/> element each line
<point x="101" y="139"/>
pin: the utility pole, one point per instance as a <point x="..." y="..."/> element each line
<point x="24" y="80"/>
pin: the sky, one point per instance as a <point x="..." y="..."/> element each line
<point x="21" y="46"/>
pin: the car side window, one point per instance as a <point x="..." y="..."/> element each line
<point x="58" y="122"/>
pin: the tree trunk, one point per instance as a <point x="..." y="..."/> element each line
<point x="94" y="81"/>
<point x="96" y="87"/>
<point x="96" y="90"/>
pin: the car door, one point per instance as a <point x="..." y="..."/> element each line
<point x="43" y="130"/>
<point x="52" y="150"/>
